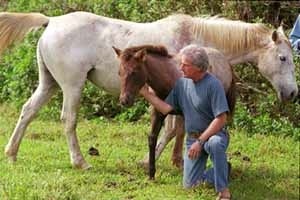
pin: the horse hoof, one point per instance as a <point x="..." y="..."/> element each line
<point x="87" y="166"/>
<point x="178" y="163"/>
<point x="82" y="166"/>
<point x="12" y="157"/>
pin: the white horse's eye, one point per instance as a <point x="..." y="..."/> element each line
<point x="282" y="58"/>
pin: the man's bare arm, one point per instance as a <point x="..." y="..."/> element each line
<point x="158" y="104"/>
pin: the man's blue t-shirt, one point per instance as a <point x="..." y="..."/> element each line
<point x="200" y="102"/>
<point x="295" y="35"/>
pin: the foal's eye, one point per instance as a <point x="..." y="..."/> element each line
<point x="133" y="73"/>
<point x="282" y="58"/>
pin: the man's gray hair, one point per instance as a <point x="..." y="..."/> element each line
<point x="196" y="55"/>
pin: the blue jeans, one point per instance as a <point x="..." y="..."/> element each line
<point x="295" y="35"/>
<point x="195" y="170"/>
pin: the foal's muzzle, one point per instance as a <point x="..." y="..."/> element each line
<point x="126" y="100"/>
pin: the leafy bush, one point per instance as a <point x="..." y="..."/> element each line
<point x="263" y="122"/>
<point x="19" y="71"/>
<point x="259" y="110"/>
<point x="134" y="113"/>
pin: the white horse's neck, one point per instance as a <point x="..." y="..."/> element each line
<point x="247" y="57"/>
<point x="240" y="42"/>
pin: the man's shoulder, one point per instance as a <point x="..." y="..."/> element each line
<point x="182" y="81"/>
<point x="212" y="79"/>
<point x="212" y="83"/>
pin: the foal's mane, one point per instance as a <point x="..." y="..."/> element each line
<point x="153" y="49"/>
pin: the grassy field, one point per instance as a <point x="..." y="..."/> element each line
<point x="264" y="167"/>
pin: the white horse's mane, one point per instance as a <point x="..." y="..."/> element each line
<point x="228" y="35"/>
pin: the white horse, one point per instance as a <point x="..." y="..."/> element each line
<point x="78" y="46"/>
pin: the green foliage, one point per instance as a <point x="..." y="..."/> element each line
<point x="134" y="113"/>
<point x="262" y="122"/>
<point x="97" y="102"/>
<point x="19" y="71"/>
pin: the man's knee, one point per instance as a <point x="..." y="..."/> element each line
<point x="216" y="144"/>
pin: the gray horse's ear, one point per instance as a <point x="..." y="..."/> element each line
<point x="141" y="55"/>
<point x="275" y="36"/>
<point x="117" y="51"/>
<point x="280" y="29"/>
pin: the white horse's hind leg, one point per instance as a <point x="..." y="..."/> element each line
<point x="71" y="102"/>
<point x="42" y="94"/>
<point x="177" y="159"/>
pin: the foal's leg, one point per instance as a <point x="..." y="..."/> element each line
<point x="156" y="124"/>
<point x="42" y="94"/>
<point x="71" y="94"/>
<point x="162" y="142"/>
<point x="173" y="126"/>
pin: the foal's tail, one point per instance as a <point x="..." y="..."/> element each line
<point x="14" y="26"/>
<point x="231" y="97"/>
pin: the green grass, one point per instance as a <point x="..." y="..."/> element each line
<point x="264" y="167"/>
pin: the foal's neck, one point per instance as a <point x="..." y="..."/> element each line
<point x="162" y="74"/>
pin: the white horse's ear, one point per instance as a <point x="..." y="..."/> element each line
<point x="140" y="55"/>
<point x="275" y="36"/>
<point x="276" y="33"/>
<point x="280" y="29"/>
<point x="117" y="51"/>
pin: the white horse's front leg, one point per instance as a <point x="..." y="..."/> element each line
<point x="69" y="117"/>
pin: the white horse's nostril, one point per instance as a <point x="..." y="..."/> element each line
<point x="293" y="94"/>
<point x="288" y="96"/>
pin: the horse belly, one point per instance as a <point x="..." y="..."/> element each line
<point x="105" y="79"/>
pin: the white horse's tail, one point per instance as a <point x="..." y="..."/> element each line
<point x="14" y="26"/>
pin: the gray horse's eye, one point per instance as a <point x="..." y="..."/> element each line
<point x="282" y="58"/>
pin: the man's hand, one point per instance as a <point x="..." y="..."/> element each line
<point x="144" y="90"/>
<point x="194" y="151"/>
<point x="157" y="103"/>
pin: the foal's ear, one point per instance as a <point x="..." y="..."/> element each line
<point x="140" y="55"/>
<point x="117" y="51"/>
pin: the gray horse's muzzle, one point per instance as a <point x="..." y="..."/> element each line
<point x="288" y="95"/>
